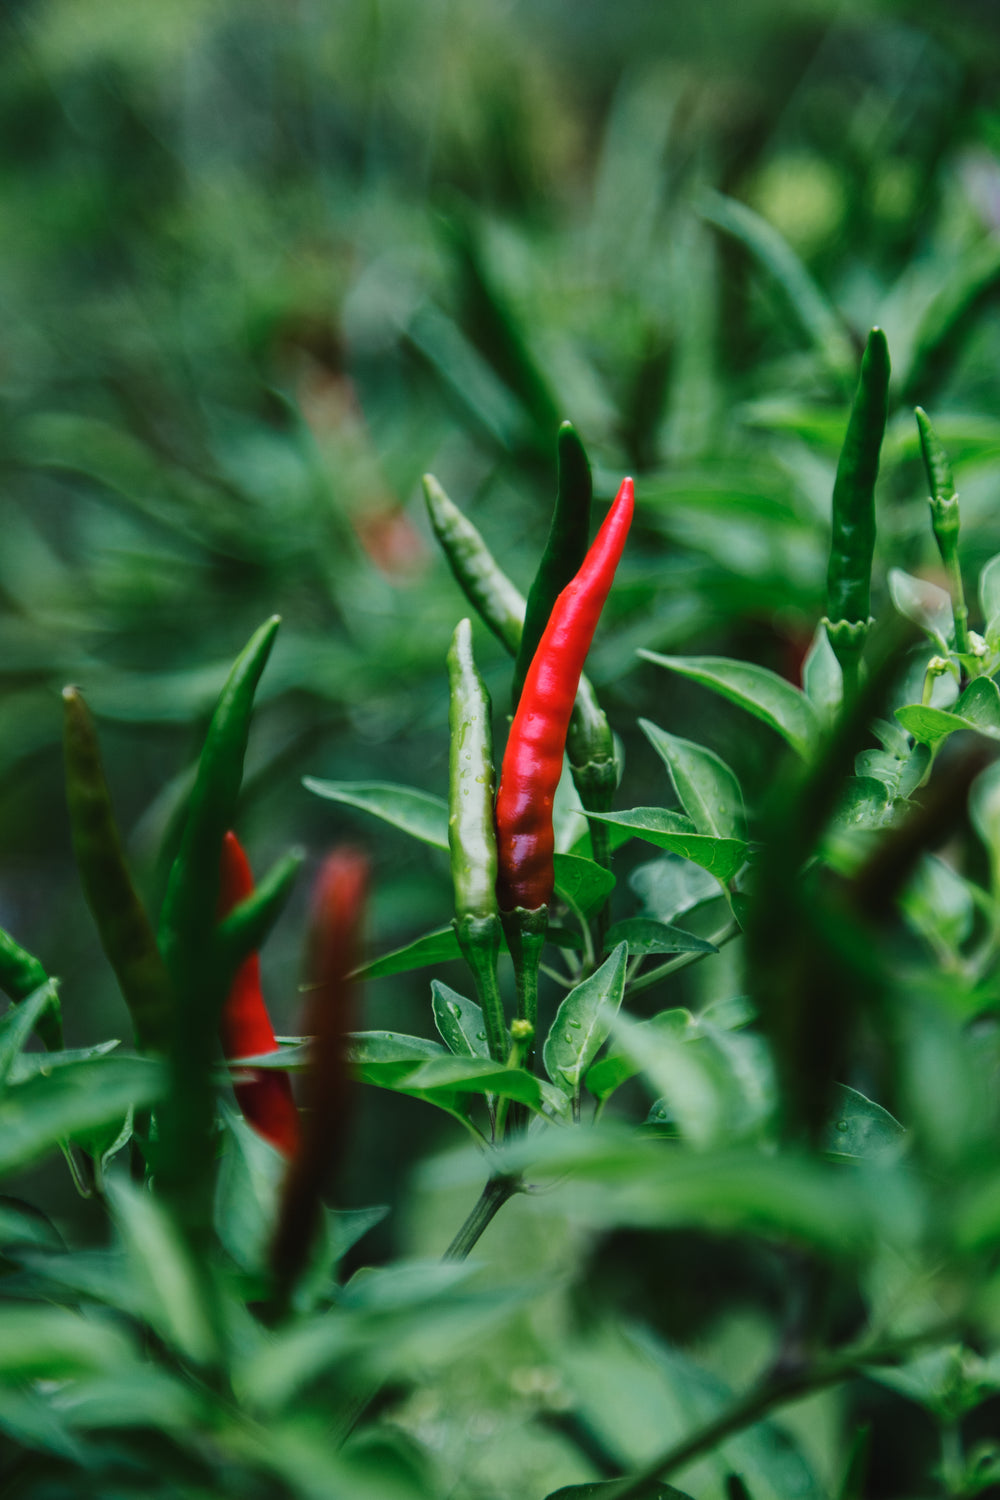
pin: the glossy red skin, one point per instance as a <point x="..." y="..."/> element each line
<point x="532" y="762"/>
<point x="245" y="1027"/>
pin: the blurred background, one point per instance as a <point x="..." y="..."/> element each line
<point x="263" y="264"/>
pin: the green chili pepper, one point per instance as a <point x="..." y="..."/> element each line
<point x="488" y="589"/>
<point x="945" y="521"/>
<point x="590" y="744"/>
<point x="123" y="925"/>
<point x="471" y="835"/>
<point x="565" y="549"/>
<point x="199" y="975"/>
<point x="852" y="546"/>
<point x="20" y="976"/>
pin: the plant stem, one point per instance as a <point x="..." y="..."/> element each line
<point x="774" y="1390"/>
<point x="492" y="1198"/>
<point x="684" y="960"/>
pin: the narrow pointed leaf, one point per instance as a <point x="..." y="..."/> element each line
<point x="644" y="935"/>
<point x="82" y="1097"/>
<point x="761" y="692"/>
<point x="707" y="789"/>
<point x="459" y="1021"/>
<point x="417" y="813"/>
<point x="583" y="1022"/>
<point x="437" y="947"/>
<point x="580" y="882"/>
<point x="19" y="1022"/>
<point x="720" y="857"/>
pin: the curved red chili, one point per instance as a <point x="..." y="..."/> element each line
<point x="532" y="763"/>
<point x="245" y="1028"/>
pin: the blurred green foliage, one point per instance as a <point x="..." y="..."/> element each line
<point x="264" y="265"/>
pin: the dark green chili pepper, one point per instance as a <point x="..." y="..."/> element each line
<point x="20" y="975"/>
<point x="565" y="549"/>
<point x="945" y="521"/>
<point x="852" y="545"/>
<point x="123" y="925"/>
<point x="590" y="744"/>
<point x="471" y="835"/>
<point x="199" y="973"/>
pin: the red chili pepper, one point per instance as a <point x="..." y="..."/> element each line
<point x="245" y="1027"/>
<point x="339" y="898"/>
<point x="532" y="763"/>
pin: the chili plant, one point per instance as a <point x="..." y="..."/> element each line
<point x="828" y="1111"/>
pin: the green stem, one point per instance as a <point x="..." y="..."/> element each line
<point x="479" y="940"/>
<point x="684" y="960"/>
<point x="774" y="1390"/>
<point x="489" y="1203"/>
<point x="959" y="608"/>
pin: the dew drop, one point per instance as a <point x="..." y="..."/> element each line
<point x="841" y="1124"/>
<point x="454" y="1008"/>
<point x="480" y="1036"/>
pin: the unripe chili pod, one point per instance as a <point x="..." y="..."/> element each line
<point x="245" y="1027"/>
<point x="852" y="543"/>
<point x="338" y="909"/>
<point x="498" y="602"/>
<point x="945" y="521"/>
<point x="471" y="834"/>
<point x="532" y="762"/>
<point x="124" y="928"/>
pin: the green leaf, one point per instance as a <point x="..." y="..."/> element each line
<point x="707" y="789"/>
<point x="819" y="319"/>
<point x="348" y="1225"/>
<point x="18" y="1023"/>
<point x="761" y="692"/>
<point x="381" y="1057"/>
<point x="246" y="1192"/>
<point x="644" y="935"/>
<point x="930" y="726"/>
<point x="938" y="903"/>
<point x="583" y="1021"/>
<point x="472" y="1075"/>
<point x="989" y="593"/>
<point x="864" y="803"/>
<point x="979" y="705"/>
<point x="721" y="857"/>
<point x="52" y="1343"/>
<point x="822" y="677"/>
<point x="669" y="886"/>
<point x="924" y="603"/>
<point x="419" y="814"/>
<point x="30" y="1064"/>
<point x="582" y="884"/>
<point x="984" y="811"/>
<point x="610" y="1072"/>
<point x="173" y="1292"/>
<point x="607" y="1487"/>
<point x="718" y="1084"/>
<point x="858" y="1127"/>
<point x="459" y="1021"/>
<point x="437" y="947"/>
<point x="81" y="1097"/>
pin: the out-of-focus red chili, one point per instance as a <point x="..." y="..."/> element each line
<point x="265" y="1099"/>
